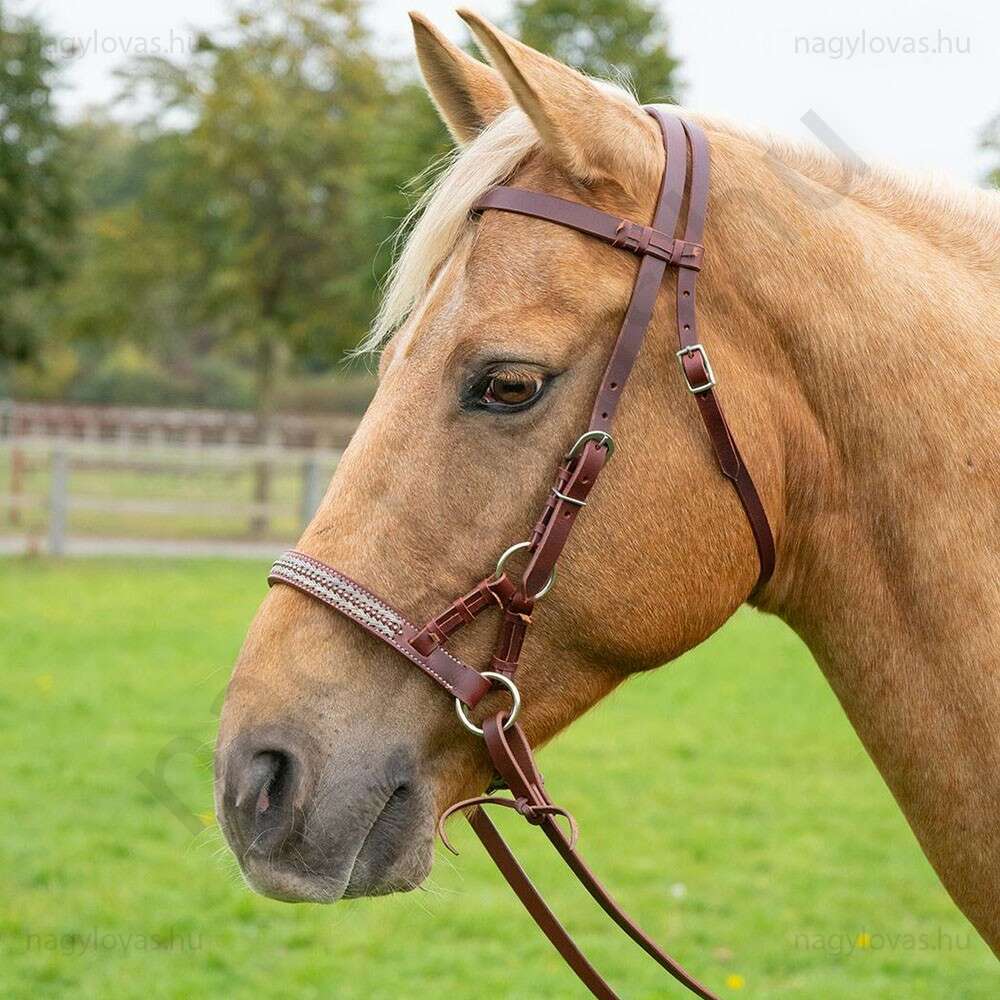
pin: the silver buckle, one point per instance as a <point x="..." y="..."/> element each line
<point x="697" y="390"/>
<point x="601" y="437"/>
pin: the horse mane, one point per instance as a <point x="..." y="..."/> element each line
<point x="431" y="230"/>
<point x="966" y="219"/>
<point x="963" y="218"/>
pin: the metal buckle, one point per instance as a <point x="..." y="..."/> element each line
<point x="515" y="708"/>
<point x="602" y="437"/>
<point x="501" y="562"/>
<point x="697" y="390"/>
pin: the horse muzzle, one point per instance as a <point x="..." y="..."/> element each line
<point x="312" y="826"/>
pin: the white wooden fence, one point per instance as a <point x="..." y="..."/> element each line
<point x="53" y="488"/>
<point x="149" y="426"/>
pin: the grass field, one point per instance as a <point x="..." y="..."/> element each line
<point x="731" y="807"/>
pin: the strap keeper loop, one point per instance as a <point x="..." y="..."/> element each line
<point x="687" y="254"/>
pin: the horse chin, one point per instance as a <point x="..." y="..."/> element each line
<point x="365" y="877"/>
<point x="290" y="886"/>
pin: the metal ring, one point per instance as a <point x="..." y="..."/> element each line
<point x="501" y="562"/>
<point x="515" y="708"/>
<point x="603" y="437"/>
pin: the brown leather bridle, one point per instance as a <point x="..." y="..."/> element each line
<point x="658" y="248"/>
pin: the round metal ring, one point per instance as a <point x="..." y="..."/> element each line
<point x="515" y="708"/>
<point x="501" y="562"/>
<point x="601" y="437"/>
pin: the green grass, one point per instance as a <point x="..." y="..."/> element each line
<point x="725" y="798"/>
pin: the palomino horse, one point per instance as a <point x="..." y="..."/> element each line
<point x="852" y="318"/>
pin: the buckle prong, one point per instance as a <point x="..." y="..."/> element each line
<point x="568" y="499"/>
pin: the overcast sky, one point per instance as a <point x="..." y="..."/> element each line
<point x="904" y="82"/>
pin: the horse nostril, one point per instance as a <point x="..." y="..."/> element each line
<point x="264" y="808"/>
<point x="268" y="771"/>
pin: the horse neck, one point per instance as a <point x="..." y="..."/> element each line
<point x="879" y="347"/>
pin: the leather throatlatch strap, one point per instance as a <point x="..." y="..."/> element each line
<point x="658" y="246"/>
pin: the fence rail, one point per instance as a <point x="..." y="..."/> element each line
<point x="152" y="426"/>
<point x="52" y="490"/>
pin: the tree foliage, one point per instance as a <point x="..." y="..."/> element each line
<point x="242" y="226"/>
<point x="258" y="203"/>
<point x="991" y="143"/>
<point x="36" y="203"/>
<point x="612" y="39"/>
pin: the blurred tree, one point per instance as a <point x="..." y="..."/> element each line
<point x="36" y="202"/>
<point x="409" y="144"/>
<point x="259" y="203"/>
<point x="991" y="143"/>
<point x="612" y="39"/>
<point x="121" y="276"/>
<point x="257" y="198"/>
<point x="245" y="223"/>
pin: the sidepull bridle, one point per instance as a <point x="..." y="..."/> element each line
<point x="658" y="247"/>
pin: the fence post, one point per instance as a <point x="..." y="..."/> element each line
<point x="58" y="501"/>
<point x="18" y="462"/>
<point x="312" y="489"/>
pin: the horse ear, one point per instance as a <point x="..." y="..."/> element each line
<point x="594" y="133"/>
<point x="468" y="94"/>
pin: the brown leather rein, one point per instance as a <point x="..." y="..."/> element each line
<point x="658" y="248"/>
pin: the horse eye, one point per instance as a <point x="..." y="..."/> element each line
<point x="513" y="389"/>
